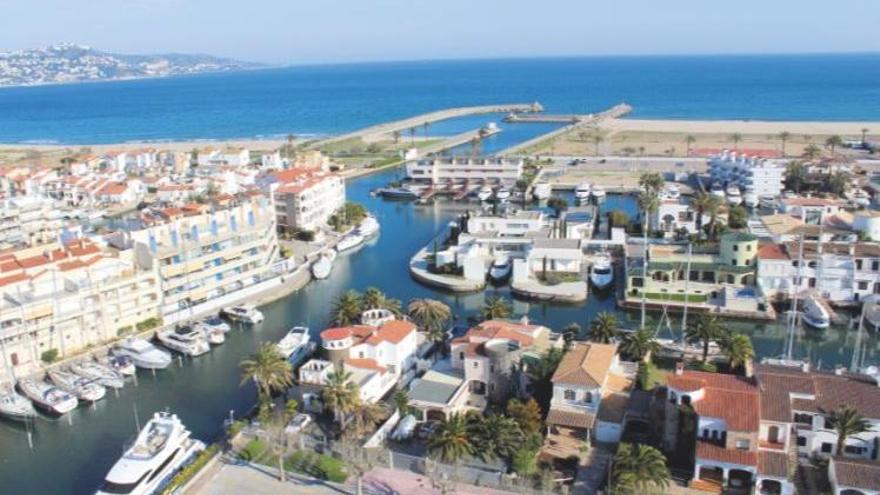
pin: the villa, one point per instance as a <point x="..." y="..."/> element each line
<point x="854" y="476"/>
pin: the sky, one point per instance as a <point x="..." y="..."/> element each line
<point x="328" y="31"/>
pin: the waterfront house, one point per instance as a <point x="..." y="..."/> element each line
<point x="759" y="176"/>
<point x="811" y="210"/>
<point x="444" y="170"/>
<point x="674" y="215"/>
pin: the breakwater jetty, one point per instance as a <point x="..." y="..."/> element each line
<point x="614" y="112"/>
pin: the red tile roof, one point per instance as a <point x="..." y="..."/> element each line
<point x="338" y="333"/>
<point x="713" y="452"/>
<point x="733" y="398"/>
<point x="771" y="251"/>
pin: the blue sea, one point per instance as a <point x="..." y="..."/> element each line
<point x="328" y="99"/>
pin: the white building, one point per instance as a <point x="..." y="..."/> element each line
<point x="29" y="220"/>
<point x="673" y="215"/>
<point x="217" y="158"/>
<point x="306" y="198"/>
<point x="444" y="170"/>
<point x="762" y="177"/>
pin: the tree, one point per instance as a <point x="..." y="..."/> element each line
<point x="833" y="142"/>
<point x="638" y="469"/>
<point x="738" y="348"/>
<point x="496" y="308"/>
<point x="365" y="416"/>
<point x="795" y="176"/>
<point x="496" y="435"/>
<point x="527" y="415"/>
<point x="340" y="395"/>
<point x="476" y="144"/>
<point x="689" y="140"/>
<point x="707" y="205"/>
<point x="401" y="402"/>
<point x="619" y="218"/>
<point x="396" y="136"/>
<point x="542" y="376"/>
<point x="737" y="217"/>
<point x="847" y="422"/>
<point x="839" y="183"/>
<point x="412" y="135"/>
<point x="452" y="439"/>
<point x="597" y="140"/>
<point x="639" y="344"/>
<point x="558" y="204"/>
<point x="268" y="369"/>
<point x="274" y="425"/>
<point x="736" y="138"/>
<point x="811" y="152"/>
<point x="603" y="328"/>
<point x="374" y="298"/>
<point x="784" y="137"/>
<point x="358" y="460"/>
<point x="865" y="131"/>
<point x="432" y="316"/>
<point x="347" y="309"/>
<point x="651" y="182"/>
<point x="706" y="328"/>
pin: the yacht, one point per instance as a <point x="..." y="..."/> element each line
<point x="121" y="364"/>
<point x="583" y="191"/>
<point x="717" y="190"/>
<point x="49" y="397"/>
<point x="74" y="384"/>
<point x="671" y="348"/>
<point x="143" y="354"/>
<point x="751" y="199"/>
<point x="324" y="265"/>
<point x="859" y="197"/>
<point x="734" y="197"/>
<point x="161" y="448"/>
<point x="398" y="193"/>
<point x="214" y="323"/>
<point x="602" y="272"/>
<point x="542" y="190"/>
<point x="484" y="193"/>
<point x="500" y="270"/>
<point x="671" y="191"/>
<point x="598" y="193"/>
<point x="246" y="313"/>
<point x="185" y="340"/>
<point x="350" y="241"/>
<point x="815" y="314"/>
<point x="214" y="336"/>
<point x="368" y="226"/>
<point x="15" y="406"/>
<point x="98" y="373"/>
<point x="295" y="345"/>
<point x="502" y="193"/>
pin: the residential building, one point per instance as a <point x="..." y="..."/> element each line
<point x="218" y="158"/>
<point x="444" y="170"/>
<point x="305" y="199"/>
<point x="854" y="476"/>
<point x="674" y="215"/>
<point x="814" y="211"/>
<point x="760" y="176"/>
<point x="29" y="221"/>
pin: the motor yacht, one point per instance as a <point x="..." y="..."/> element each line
<point x="245" y="313"/>
<point x="322" y="267"/>
<point x="602" y="272"/>
<point x="751" y="199"/>
<point x="583" y="191"/>
<point x="859" y="197"/>
<point x="815" y="314"/>
<point x="98" y="373"/>
<point x="295" y="345"/>
<point x="47" y="396"/>
<point x="369" y="226"/>
<point x="184" y="339"/>
<point x="214" y="336"/>
<point x="502" y="193"/>
<point x="500" y="270"/>
<point x="717" y="190"/>
<point x="350" y="241"/>
<point x="484" y="193"/>
<point x="542" y="190"/>
<point x="143" y="354"/>
<point x="215" y="323"/>
<point x="161" y="448"/>
<point x="121" y="364"/>
<point x="734" y="197"/>
<point x="398" y="193"/>
<point x="15" y="406"/>
<point x="670" y="191"/>
<point x="82" y="388"/>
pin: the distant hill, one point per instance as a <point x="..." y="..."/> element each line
<point x="66" y="63"/>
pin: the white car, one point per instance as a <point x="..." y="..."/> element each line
<point x="298" y="423"/>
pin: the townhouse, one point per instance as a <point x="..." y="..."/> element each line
<point x="674" y="215"/>
<point x="811" y="210"/>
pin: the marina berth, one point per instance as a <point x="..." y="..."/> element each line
<point x="322" y="267"/>
<point x="15" y="406"/>
<point x="244" y="313"/>
<point x="184" y="339"/>
<point x="602" y="272"/>
<point x="48" y="397"/>
<point x="143" y="354"/>
<point x="98" y="373"/>
<point x="296" y="344"/>
<point x="74" y="384"/>
<point x="350" y="241"/>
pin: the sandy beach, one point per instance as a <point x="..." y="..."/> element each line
<point x="853" y="129"/>
<point x="251" y="144"/>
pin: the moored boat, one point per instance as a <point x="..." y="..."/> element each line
<point x="121" y="364"/>
<point x="143" y="354"/>
<point x="598" y="193"/>
<point x="295" y="344"/>
<point x="815" y="314"/>
<point x="368" y="226"/>
<point x="98" y="373"/>
<point x="717" y="190"/>
<point x="583" y="191"/>
<point x="214" y="336"/>
<point x="245" y="313"/>
<point x="484" y="193"/>
<point x="398" y="193"/>
<point x="15" y="406"/>
<point x="322" y="267"/>
<point x="214" y="323"/>
<point x="501" y="269"/>
<point x="750" y="199"/>
<point x="350" y="241"/>
<point x="734" y="196"/>
<point x="184" y="339"/>
<point x="602" y="272"/>
<point x="47" y="396"/>
<point x="502" y="193"/>
<point x="82" y="388"/>
<point x="542" y="190"/>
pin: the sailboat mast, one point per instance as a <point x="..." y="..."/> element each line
<point x="687" y="279"/>
<point x="789" y="351"/>
<point x="856" y="363"/>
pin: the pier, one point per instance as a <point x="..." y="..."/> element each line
<point x="614" y="112"/>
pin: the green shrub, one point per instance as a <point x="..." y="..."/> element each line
<point x="701" y="366"/>
<point x="148" y="324"/>
<point x="331" y="468"/>
<point x="321" y="466"/>
<point x="694" y="298"/>
<point x="524" y="461"/>
<point x="49" y="356"/>
<point x="253" y="450"/>
<point x="192" y="469"/>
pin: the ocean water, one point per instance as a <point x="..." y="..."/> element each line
<point x="335" y="98"/>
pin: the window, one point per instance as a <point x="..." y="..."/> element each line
<point x="742" y="444"/>
<point x="802" y="441"/>
<point x="748" y="247"/>
<point x="875" y="265"/>
<point x="705" y="432"/>
<point x="476" y="364"/>
<point x="858" y="264"/>
<point x="854" y="449"/>
<point x="569" y="394"/>
<point x="735" y="247"/>
<point x="826" y="447"/>
<point x="588" y="398"/>
<point x="863" y="285"/>
<point x="461" y="356"/>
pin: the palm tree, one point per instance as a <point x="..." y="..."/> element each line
<point x="452" y="439"/>
<point x="603" y="328"/>
<point x="795" y="175"/>
<point x="833" y="142"/>
<point x="425" y="128"/>
<point x="865" y="131"/>
<point x="739" y="350"/>
<point x="412" y="135"/>
<point x="847" y="422"/>
<point x="689" y="140"/>
<point x="432" y="316"/>
<point x="706" y="329"/>
<point x="639" y="344"/>
<point x="497" y="436"/>
<point x="290" y="139"/>
<point x="475" y="147"/>
<point x="365" y="416"/>
<point x="268" y="369"/>
<point x="638" y="469"/>
<point x="347" y="309"/>
<point x="340" y="394"/>
<point x="736" y="138"/>
<point x="784" y="136"/>
<point x="396" y="135"/>
<point x="597" y="139"/>
<point x="811" y="152"/>
<point x="711" y="205"/>
<point x="839" y="183"/>
<point x="374" y="298"/>
<point x="651" y="182"/>
<point x="542" y="376"/>
<point x="496" y="308"/>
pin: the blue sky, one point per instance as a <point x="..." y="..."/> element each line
<point x="293" y="31"/>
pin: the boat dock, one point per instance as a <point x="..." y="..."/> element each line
<point x="614" y="112"/>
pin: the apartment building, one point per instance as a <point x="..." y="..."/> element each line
<point x="762" y="177"/>
<point x="218" y="158"/>
<point x="306" y="198"/>
<point x="459" y="170"/>
<point x="65" y="298"/>
<point x="28" y="221"/>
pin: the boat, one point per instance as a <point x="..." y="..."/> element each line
<point x="500" y="269"/>
<point x="502" y="193"/>
<point x="484" y="193"/>
<point x="859" y="197"/>
<point x="542" y="190"/>
<point x="15" y="406"/>
<point x="295" y="344"/>
<point x="324" y="265"/>
<point x="734" y="196"/>
<point x="214" y="323"/>
<point x="122" y="364"/>
<point x="671" y="191"/>
<point x="368" y="226"/>
<point x="751" y="199"/>
<point x="214" y="336"/>
<point x="768" y="202"/>
<point x="350" y="241"/>
<point x="598" y="193"/>
<point x="143" y="354"/>
<point x="815" y="314"/>
<point x="717" y="190"/>
<point x="98" y="373"/>
<point x="602" y="272"/>
<point x="582" y="191"/>
<point x="47" y="396"/>
<point x="670" y="348"/>
<point x="185" y="340"/>
<point x="82" y="388"/>
<point x="161" y="448"/>
<point x="398" y="193"/>
<point x="245" y="313"/>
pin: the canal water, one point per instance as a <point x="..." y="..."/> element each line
<point x="72" y="457"/>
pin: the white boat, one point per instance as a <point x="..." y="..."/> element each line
<point x="583" y="191"/>
<point x="295" y="344"/>
<point x="15" y="406"/>
<point x="484" y="193"/>
<point x="859" y="197"/>
<point x="401" y="193"/>
<point x="47" y="396"/>
<point x="185" y="340"/>
<point x="670" y="191"/>
<point x="368" y="226"/>
<point x="717" y="190"/>
<point x="161" y="448"/>
<point x="98" y="373"/>
<point x="602" y="272"/>
<point x="350" y="241"/>
<point x="121" y="364"/>
<point x="246" y="313"/>
<point x="751" y="199"/>
<point x="214" y="336"/>
<point x="598" y="193"/>
<point x="500" y="270"/>
<point x="143" y="354"/>
<point x="768" y="202"/>
<point x="502" y="193"/>
<point x="324" y="265"/>
<point x="670" y="348"/>
<point x="542" y="190"/>
<point x="214" y="323"/>
<point x="815" y="314"/>
<point x="734" y="197"/>
<point x="82" y="388"/>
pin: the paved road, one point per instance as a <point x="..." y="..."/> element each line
<point x="233" y="479"/>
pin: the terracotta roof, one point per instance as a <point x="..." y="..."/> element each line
<point x="733" y="398"/>
<point x="713" y="452"/>
<point x="113" y="188"/>
<point x="585" y="364"/>
<point x="571" y="419"/>
<point x="771" y="251"/>
<point x="369" y="364"/>
<point x="811" y="202"/>
<point x="819" y="392"/>
<point x="18" y="277"/>
<point x="773" y="464"/>
<point x="338" y="333"/>
<point x="857" y="473"/>
<point x="393" y="331"/>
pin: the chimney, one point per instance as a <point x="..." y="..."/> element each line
<point x="679" y="368"/>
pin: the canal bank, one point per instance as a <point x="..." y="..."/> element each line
<point x="72" y="458"/>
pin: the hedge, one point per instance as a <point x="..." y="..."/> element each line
<point x="192" y="469"/>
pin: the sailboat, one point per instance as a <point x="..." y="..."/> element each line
<point x="793" y="316"/>
<point x="15" y="406"/>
